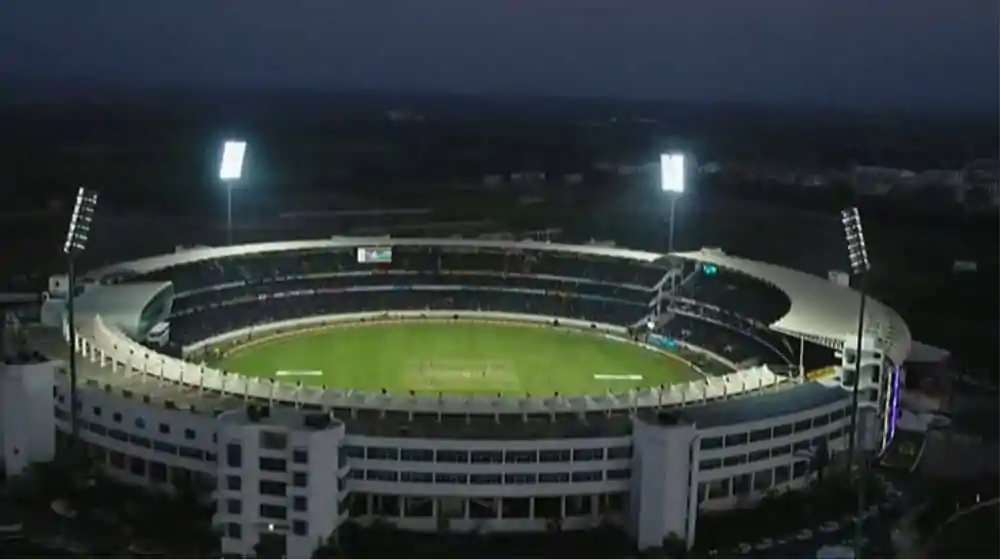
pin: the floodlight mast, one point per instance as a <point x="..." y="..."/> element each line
<point x="672" y="179"/>
<point x="857" y="252"/>
<point x="77" y="237"/>
<point x="230" y="171"/>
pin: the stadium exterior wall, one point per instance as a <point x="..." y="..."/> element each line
<point x="148" y="443"/>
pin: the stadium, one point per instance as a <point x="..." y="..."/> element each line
<point x="462" y="385"/>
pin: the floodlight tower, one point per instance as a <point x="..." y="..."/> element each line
<point x="230" y="171"/>
<point x="672" y="180"/>
<point x="857" y="252"/>
<point x="76" y="242"/>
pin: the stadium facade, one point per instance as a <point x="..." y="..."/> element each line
<point x="292" y="462"/>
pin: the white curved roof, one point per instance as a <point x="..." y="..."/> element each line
<point x="210" y="253"/>
<point x="821" y="310"/>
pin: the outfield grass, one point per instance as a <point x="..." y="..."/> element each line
<point x="457" y="357"/>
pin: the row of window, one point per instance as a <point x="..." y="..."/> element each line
<point x="300" y="479"/>
<point x="234" y="458"/>
<point x="759" y="481"/>
<point x="184" y="451"/>
<point x="765" y="434"/>
<point x="508" y="478"/>
<point x="140" y="423"/>
<point x="487" y="457"/>
<point x="805" y="445"/>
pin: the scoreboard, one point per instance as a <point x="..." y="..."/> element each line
<point x="374" y="255"/>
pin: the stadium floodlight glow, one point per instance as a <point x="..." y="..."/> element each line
<point x="672" y="173"/>
<point x="80" y="221"/>
<point x="233" y="152"/>
<point x="857" y="251"/>
<point x="230" y="171"/>
<point x="672" y="179"/>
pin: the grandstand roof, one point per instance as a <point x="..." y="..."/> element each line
<point x="150" y="264"/>
<point x="768" y="405"/>
<point x="821" y="310"/>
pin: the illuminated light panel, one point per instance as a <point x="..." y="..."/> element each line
<point x="672" y="173"/>
<point x="231" y="168"/>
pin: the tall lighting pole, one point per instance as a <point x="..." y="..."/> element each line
<point x="857" y="252"/>
<point x="76" y="242"/>
<point x="672" y="182"/>
<point x="230" y="171"/>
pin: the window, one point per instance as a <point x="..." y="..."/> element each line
<point x="421" y="455"/>
<point x="800" y="469"/>
<point x="418" y="477"/>
<point x="117" y="459"/>
<point x="300" y="479"/>
<point x="300" y="503"/>
<point x="300" y="527"/>
<point x="836" y="415"/>
<point x="734" y="460"/>
<point x="761" y="455"/>
<point x="624" y="452"/>
<point x="821" y="420"/>
<point x="709" y="464"/>
<point x="782" y="430"/>
<point x="273" y="488"/>
<point x="189" y="433"/>
<point x="234" y="507"/>
<point x="272" y="464"/>
<point x="711" y="443"/>
<point x="760" y="435"/>
<point x="485" y="479"/>
<point x="356" y="474"/>
<point x="520" y="478"/>
<point x="554" y="455"/>
<point x="383" y="453"/>
<point x="781" y="450"/>
<point x="588" y="454"/>
<point x="521" y="456"/>
<point x="736" y="439"/>
<point x="619" y="474"/>
<point x="116" y="418"/>
<point x="551" y="478"/>
<point x="157" y="471"/>
<point x="234" y="483"/>
<point x="165" y="447"/>
<point x="781" y="474"/>
<point x="234" y="531"/>
<point x="234" y="455"/>
<point x="191" y="452"/>
<point x="450" y="478"/>
<point x="273" y="440"/>
<point x="272" y="511"/>
<point x="300" y="456"/>
<point x="803" y="425"/>
<point x="97" y="411"/>
<point x="487" y="456"/>
<point x="452" y="456"/>
<point x="164" y="428"/>
<point x="354" y="451"/>
<point x="383" y="475"/>
<point x="140" y="423"/>
<point x="587" y="476"/>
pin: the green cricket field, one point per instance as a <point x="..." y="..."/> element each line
<point x="464" y="357"/>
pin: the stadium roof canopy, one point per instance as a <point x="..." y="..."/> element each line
<point x="821" y="311"/>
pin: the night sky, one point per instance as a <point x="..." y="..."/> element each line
<point x="933" y="55"/>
